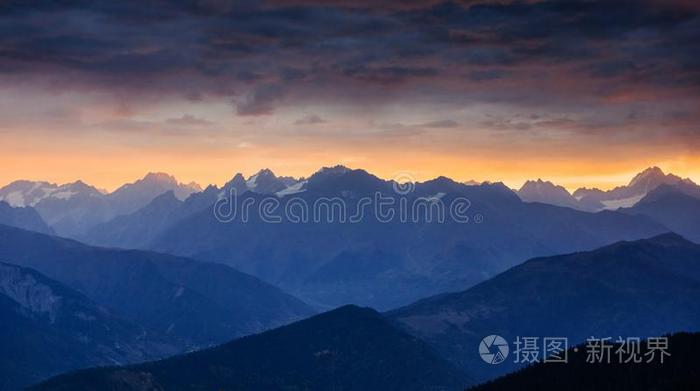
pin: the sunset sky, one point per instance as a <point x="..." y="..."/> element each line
<point x="578" y="92"/>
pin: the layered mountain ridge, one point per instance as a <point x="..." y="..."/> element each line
<point x="349" y="348"/>
<point x="640" y="288"/>
<point x="193" y="304"/>
<point x="48" y="328"/>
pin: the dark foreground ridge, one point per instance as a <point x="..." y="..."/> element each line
<point x="350" y="348"/>
<point x="679" y="371"/>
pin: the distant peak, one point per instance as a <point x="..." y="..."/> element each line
<point x="649" y="173"/>
<point x="194" y="186"/>
<point x="539" y="184"/>
<point x="441" y="180"/>
<point x="79" y="185"/>
<point x="329" y="172"/>
<point x="335" y="170"/>
<point x="238" y="182"/>
<point x="265" y="172"/>
<point x="159" y="177"/>
<point x="653" y="170"/>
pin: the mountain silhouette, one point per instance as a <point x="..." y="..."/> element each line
<point x="265" y="182"/>
<point x="22" y="217"/>
<point x="548" y="193"/>
<point x="626" y="196"/>
<point x="642" y="288"/>
<point x="675" y="206"/>
<point x="677" y="372"/>
<point x="195" y="304"/>
<point x="349" y="348"/>
<point x="386" y="264"/>
<point x="133" y="196"/>
<point x="133" y="230"/>
<point x="48" y="328"/>
<point x="72" y="209"/>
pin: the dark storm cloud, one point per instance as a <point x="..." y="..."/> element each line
<point x="266" y="55"/>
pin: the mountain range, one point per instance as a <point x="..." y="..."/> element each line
<point x="48" y="328"/>
<point x="22" y="217"/>
<point x="378" y="263"/>
<point x="622" y="275"/>
<point x="334" y="264"/>
<point x="192" y="304"/>
<point x="593" y="200"/>
<point x="645" y="288"/>
<point x="350" y="348"/>
<point x="72" y="209"/>
<point x="642" y="288"/>
<point x="676" y="207"/>
<point x="548" y="193"/>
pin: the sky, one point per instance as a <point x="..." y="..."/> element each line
<point x="583" y="93"/>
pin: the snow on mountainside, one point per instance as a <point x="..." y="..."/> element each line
<point x="73" y="208"/>
<point x="638" y="187"/>
<point x="595" y="200"/>
<point x="265" y="182"/>
<point x="29" y="193"/>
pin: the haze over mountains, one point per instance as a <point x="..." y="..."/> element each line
<point x="370" y="262"/>
<point x="71" y="209"/>
<point x="642" y="288"/>
<point x="177" y="303"/>
<point x="400" y="262"/>
<point x="117" y="306"/>
<point x="22" y="217"/>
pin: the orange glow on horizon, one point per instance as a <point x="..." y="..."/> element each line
<point x="111" y="167"/>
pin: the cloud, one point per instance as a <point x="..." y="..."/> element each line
<point x="261" y="101"/>
<point x="445" y="123"/>
<point x="311" y="119"/>
<point x="560" y="56"/>
<point x="189" y="120"/>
